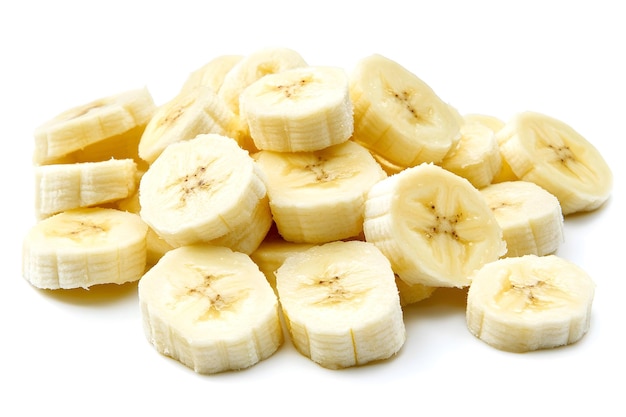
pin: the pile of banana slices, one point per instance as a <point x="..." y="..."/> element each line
<point x="270" y="194"/>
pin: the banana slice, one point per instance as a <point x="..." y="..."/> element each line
<point x="211" y="74"/>
<point x="551" y="154"/>
<point x="476" y="156"/>
<point x="84" y="247"/>
<point x="254" y="66"/>
<point x="341" y="304"/>
<point x="203" y="189"/>
<point x="81" y="126"/>
<point x="495" y="124"/>
<point x="186" y="116"/>
<point x="433" y="225"/>
<point x="298" y="110"/>
<point x="528" y="303"/>
<point x="68" y="186"/>
<point x="210" y="308"/>
<point x="318" y="197"/>
<point x="398" y="116"/>
<point x="530" y="217"/>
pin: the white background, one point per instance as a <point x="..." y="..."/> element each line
<point x="84" y="353"/>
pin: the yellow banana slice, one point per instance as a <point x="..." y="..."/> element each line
<point x="530" y="217"/>
<point x="553" y="155"/>
<point x="341" y="304"/>
<point x="81" y="126"/>
<point x="84" y="247"/>
<point x="210" y="308"/>
<point x="398" y="116"/>
<point x="319" y="197"/>
<point x="197" y="111"/>
<point x="204" y="189"/>
<point x="531" y="302"/>
<point x="63" y="187"/>
<point x="433" y="225"/>
<point x="298" y="110"/>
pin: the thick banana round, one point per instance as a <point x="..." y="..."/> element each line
<point x="210" y="308"/>
<point x="530" y="217"/>
<point x="341" y="304"/>
<point x="319" y="197"/>
<point x="553" y="155"/>
<point x="433" y="225"/>
<point x="93" y="122"/>
<point x="531" y="302"/>
<point x="85" y="247"/>
<point x="204" y="189"/>
<point x="398" y="116"/>
<point x="298" y="110"/>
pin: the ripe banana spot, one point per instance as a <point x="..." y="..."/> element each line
<point x="205" y="290"/>
<point x="563" y="153"/>
<point x="335" y="292"/>
<point x="174" y="114"/>
<point x="404" y="98"/>
<point x="191" y="184"/>
<point x="443" y="224"/>
<point x="291" y="90"/>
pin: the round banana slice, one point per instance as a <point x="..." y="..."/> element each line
<point x="341" y="304"/>
<point x="210" y="308"/>
<point x="189" y="114"/>
<point x="398" y="116"/>
<point x="476" y="156"/>
<point x="85" y="247"/>
<point x="319" y="197"/>
<point x="433" y="225"/>
<point x="298" y="110"/>
<point x="530" y="217"/>
<point x="528" y="303"/>
<point x="81" y="126"/>
<point x="551" y="154"/>
<point x="61" y="187"/>
<point x="203" y="189"/>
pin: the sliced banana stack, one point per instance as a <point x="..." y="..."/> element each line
<point x="341" y="304"/>
<point x="530" y="217"/>
<point x="100" y="120"/>
<point x="527" y="303"/>
<point x="299" y="110"/>
<point x="189" y="114"/>
<point x="319" y="197"/>
<point x="210" y="308"/>
<point x="85" y="247"/>
<point x="476" y="156"/>
<point x="61" y="187"/>
<point x="204" y="189"/>
<point x="433" y="225"/>
<point x="211" y="74"/>
<point x="553" y="155"/>
<point x="398" y="116"/>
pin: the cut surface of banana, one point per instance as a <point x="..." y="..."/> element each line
<point x="530" y="217"/>
<point x="63" y="187"/>
<point x="210" y="308"/>
<point x="527" y="303"/>
<point x="550" y="153"/>
<point x="433" y="225"/>
<point x="398" y="116"/>
<point x="298" y="110"/>
<point x="341" y="304"/>
<point x="319" y="197"/>
<point x="202" y="189"/>
<point x="84" y="247"/>
<point x="84" y="125"/>
<point x="189" y="114"/>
